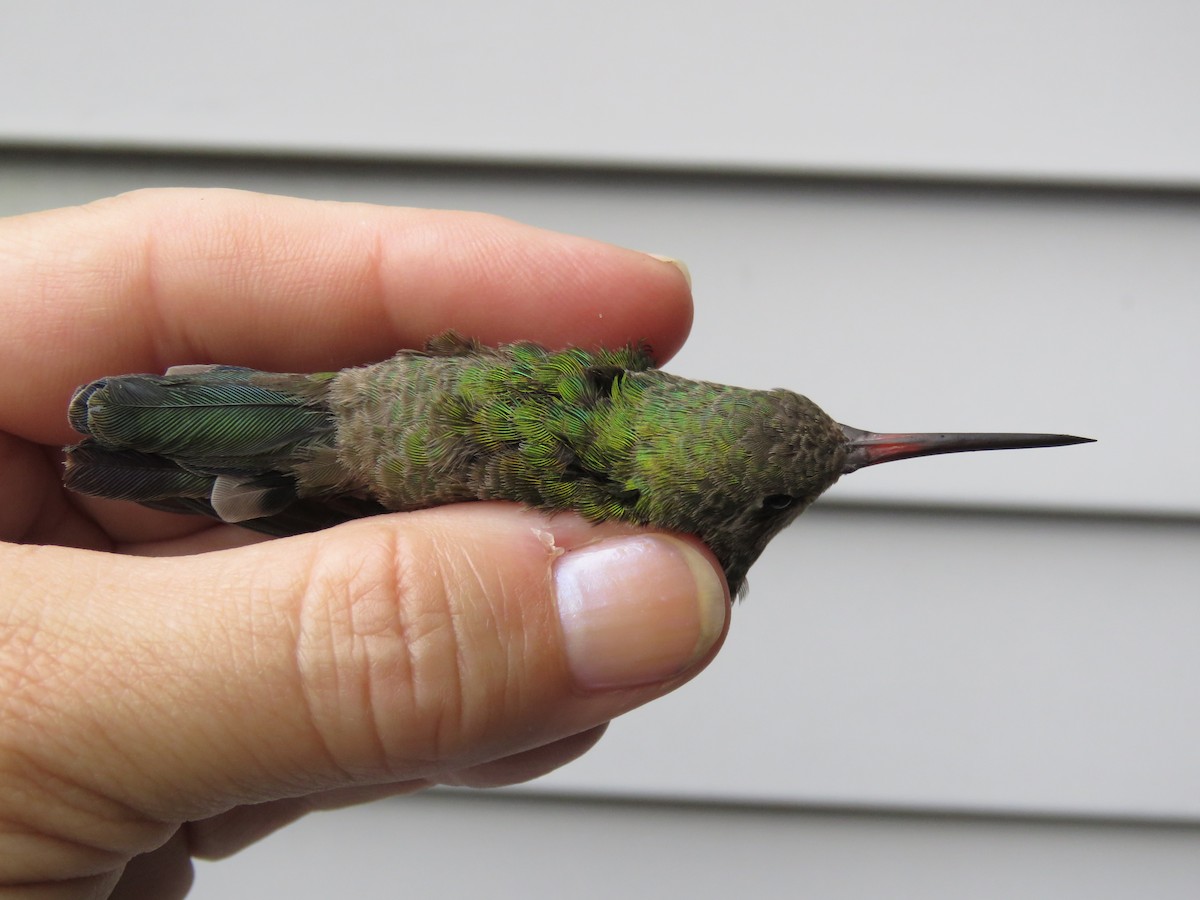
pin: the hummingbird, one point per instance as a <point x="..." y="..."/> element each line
<point x="604" y="433"/>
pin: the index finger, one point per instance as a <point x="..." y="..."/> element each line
<point x="157" y="278"/>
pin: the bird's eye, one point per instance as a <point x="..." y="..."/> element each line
<point x="778" y="502"/>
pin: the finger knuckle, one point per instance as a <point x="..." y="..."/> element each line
<point x="381" y="653"/>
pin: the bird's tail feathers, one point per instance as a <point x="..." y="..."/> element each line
<point x="222" y="440"/>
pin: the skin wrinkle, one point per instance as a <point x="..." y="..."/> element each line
<point x="314" y="596"/>
<point x="397" y="565"/>
<point x="41" y="665"/>
<point x="150" y="299"/>
<point x="508" y="689"/>
<point x="482" y="255"/>
<point x="510" y="654"/>
<point x="140" y="677"/>
<point x="421" y="241"/>
<point x="267" y="625"/>
<point x="374" y="276"/>
<point x="365" y="601"/>
<point x="444" y="692"/>
<point x="477" y="251"/>
<point x="34" y="296"/>
<point x="127" y="269"/>
<point x="467" y="582"/>
<point x="109" y="816"/>
<point x="497" y="245"/>
<point x="18" y="677"/>
<point x="529" y="269"/>
<point x="519" y="604"/>
<point x="233" y="238"/>
<point x="516" y="651"/>
<point x="383" y="569"/>
<point x="230" y="239"/>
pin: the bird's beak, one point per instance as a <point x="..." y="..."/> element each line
<point x="866" y="448"/>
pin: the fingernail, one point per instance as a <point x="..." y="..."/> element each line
<point x="677" y="263"/>
<point x="637" y="610"/>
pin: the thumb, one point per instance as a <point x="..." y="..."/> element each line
<point x="145" y="691"/>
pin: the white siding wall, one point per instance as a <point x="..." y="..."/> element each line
<point x="1076" y="89"/>
<point x="515" y="849"/>
<point x="996" y="637"/>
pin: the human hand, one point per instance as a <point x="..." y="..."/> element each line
<point x="172" y="687"/>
